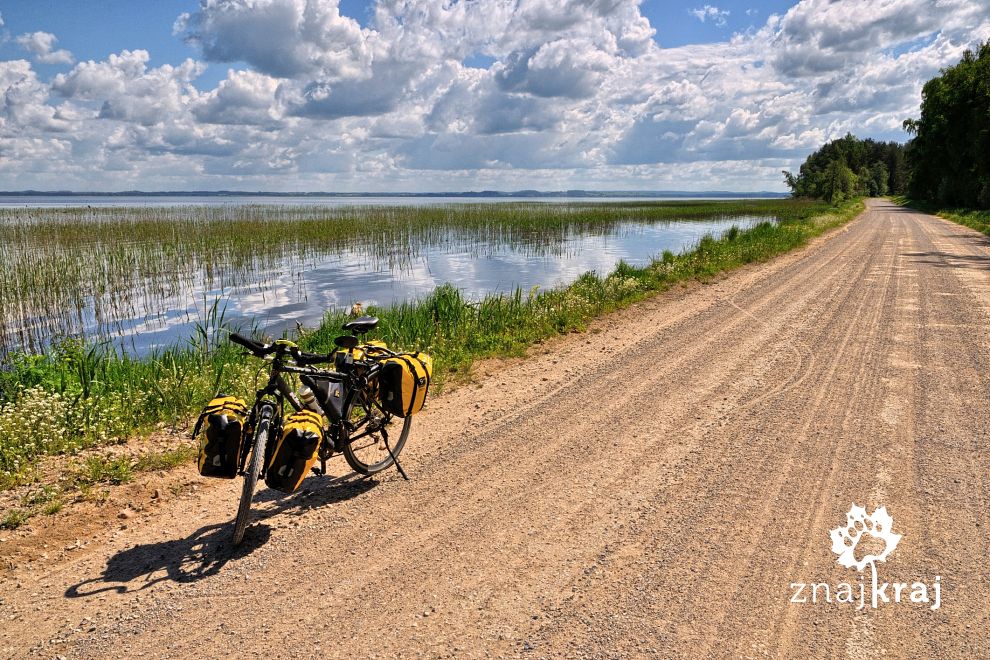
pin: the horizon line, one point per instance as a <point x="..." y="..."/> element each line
<point x="464" y="193"/>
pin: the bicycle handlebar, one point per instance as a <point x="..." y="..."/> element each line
<point x="305" y="359"/>
<point x="300" y="357"/>
<point x="261" y="350"/>
<point x="258" y="349"/>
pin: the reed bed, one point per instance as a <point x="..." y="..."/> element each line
<point x="67" y="271"/>
<point x="79" y="394"/>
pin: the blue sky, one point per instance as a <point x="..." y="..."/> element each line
<point x="92" y="30"/>
<point x="462" y="94"/>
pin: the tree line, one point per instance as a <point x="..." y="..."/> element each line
<point x="850" y="166"/>
<point x="947" y="161"/>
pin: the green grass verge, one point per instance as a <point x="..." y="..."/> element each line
<point x="978" y="220"/>
<point x="14" y="519"/>
<point x="77" y="396"/>
<point x="972" y="218"/>
<point x="165" y="460"/>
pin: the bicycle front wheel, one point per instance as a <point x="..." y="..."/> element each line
<point x="251" y="478"/>
<point x="366" y="453"/>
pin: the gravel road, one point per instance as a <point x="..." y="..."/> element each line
<point x="652" y="487"/>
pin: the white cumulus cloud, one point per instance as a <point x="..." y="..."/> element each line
<point x="285" y="38"/>
<point x="126" y="89"/>
<point x="244" y="97"/>
<point x="560" y="94"/>
<point x="42" y="46"/>
<point x="710" y="13"/>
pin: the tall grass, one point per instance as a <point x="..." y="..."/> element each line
<point x="79" y="395"/>
<point x="978" y="220"/>
<point x="973" y="218"/>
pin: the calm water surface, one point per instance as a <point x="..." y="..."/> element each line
<point x="102" y="201"/>
<point x="302" y="293"/>
<point x="143" y="298"/>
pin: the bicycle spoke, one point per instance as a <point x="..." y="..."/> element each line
<point x="358" y="446"/>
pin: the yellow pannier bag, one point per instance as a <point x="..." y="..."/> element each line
<point x="296" y="451"/>
<point x="344" y="356"/>
<point x="374" y="343"/>
<point x="220" y="430"/>
<point x="404" y="382"/>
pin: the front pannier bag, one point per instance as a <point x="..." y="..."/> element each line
<point x="296" y="451"/>
<point x="220" y="430"/>
<point x="404" y="382"/>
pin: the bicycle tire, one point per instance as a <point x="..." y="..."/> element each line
<point x="396" y="444"/>
<point x="251" y="478"/>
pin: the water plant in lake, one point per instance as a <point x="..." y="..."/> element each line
<point x="68" y="270"/>
<point x="78" y="395"/>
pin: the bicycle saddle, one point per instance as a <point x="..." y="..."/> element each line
<point x="361" y="324"/>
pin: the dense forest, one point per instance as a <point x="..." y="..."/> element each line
<point x="946" y="163"/>
<point x="950" y="152"/>
<point x="850" y="166"/>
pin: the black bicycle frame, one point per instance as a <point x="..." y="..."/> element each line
<point x="277" y="391"/>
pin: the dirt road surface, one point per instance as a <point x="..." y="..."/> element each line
<point x="650" y="488"/>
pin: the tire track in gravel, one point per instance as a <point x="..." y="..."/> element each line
<point x="953" y="454"/>
<point x="785" y="467"/>
<point x="695" y="514"/>
<point x="862" y="379"/>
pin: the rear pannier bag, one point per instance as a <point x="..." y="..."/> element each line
<point x="404" y="382"/>
<point x="219" y="430"/>
<point x="296" y="451"/>
<point x="344" y="357"/>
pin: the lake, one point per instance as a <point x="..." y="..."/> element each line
<point x="105" y="201"/>
<point x="146" y="278"/>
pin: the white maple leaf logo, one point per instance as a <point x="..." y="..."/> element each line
<point x="859" y="523"/>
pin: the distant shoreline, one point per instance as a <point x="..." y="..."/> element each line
<point x="521" y="194"/>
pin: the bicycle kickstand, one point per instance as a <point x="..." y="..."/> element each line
<point x="395" y="459"/>
<point x="322" y="470"/>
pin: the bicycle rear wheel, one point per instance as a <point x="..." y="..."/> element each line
<point x="251" y="476"/>
<point x="367" y="453"/>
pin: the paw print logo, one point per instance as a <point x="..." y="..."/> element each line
<point x="859" y="527"/>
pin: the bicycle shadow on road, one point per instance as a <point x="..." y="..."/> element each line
<point x="200" y="555"/>
<point x="205" y="552"/>
<point x="314" y="492"/>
